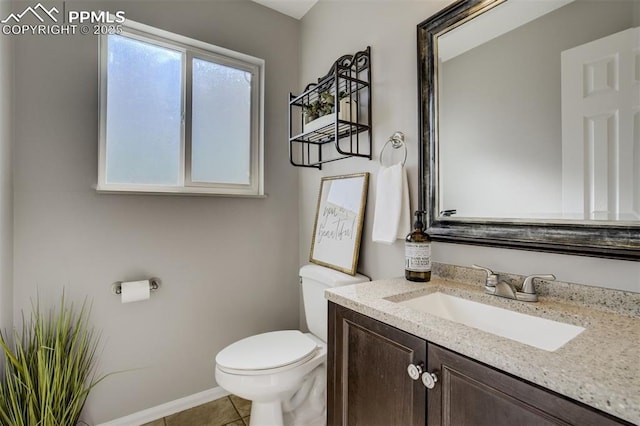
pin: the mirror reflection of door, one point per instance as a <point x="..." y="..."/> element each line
<point x="500" y="127"/>
<point x="601" y="128"/>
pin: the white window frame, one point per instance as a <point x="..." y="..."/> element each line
<point x="190" y="48"/>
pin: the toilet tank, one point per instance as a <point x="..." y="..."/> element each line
<point x="315" y="280"/>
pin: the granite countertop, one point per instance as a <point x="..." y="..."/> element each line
<point x="600" y="367"/>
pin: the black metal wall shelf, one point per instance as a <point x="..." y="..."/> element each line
<point x="331" y="119"/>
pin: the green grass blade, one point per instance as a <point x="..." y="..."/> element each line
<point x="50" y="370"/>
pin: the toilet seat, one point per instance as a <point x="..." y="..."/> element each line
<point x="267" y="353"/>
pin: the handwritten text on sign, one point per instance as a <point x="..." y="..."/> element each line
<point x="336" y="223"/>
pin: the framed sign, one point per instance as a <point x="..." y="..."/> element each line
<point x="339" y="218"/>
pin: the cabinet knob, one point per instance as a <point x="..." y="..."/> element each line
<point x="414" y="371"/>
<point x="429" y="380"/>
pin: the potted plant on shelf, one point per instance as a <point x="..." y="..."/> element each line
<point x="49" y="368"/>
<point x="321" y="111"/>
<point x="321" y="106"/>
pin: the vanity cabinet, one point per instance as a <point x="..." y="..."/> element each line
<point x="471" y="393"/>
<point x="367" y="376"/>
<point x="368" y="384"/>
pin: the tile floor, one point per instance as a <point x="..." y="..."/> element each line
<point x="228" y="411"/>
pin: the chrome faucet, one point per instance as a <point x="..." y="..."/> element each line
<point x="527" y="292"/>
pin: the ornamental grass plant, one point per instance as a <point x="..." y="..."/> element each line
<point x="49" y="368"/>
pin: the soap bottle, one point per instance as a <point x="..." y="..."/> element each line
<point x="418" y="252"/>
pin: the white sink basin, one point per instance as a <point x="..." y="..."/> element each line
<point x="534" y="331"/>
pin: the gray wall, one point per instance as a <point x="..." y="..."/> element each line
<point x="390" y="28"/>
<point x="6" y="197"/>
<point x="228" y="266"/>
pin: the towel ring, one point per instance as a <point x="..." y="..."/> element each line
<point x="397" y="141"/>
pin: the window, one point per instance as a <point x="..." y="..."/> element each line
<point x="178" y="115"/>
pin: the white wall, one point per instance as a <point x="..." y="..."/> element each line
<point x="6" y="197"/>
<point x="332" y="29"/>
<point x="228" y="266"/>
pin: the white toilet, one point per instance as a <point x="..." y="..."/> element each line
<point x="283" y="373"/>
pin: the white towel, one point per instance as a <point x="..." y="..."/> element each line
<point x="392" y="216"/>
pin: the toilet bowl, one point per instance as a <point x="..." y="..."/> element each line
<point x="270" y="388"/>
<point x="283" y="373"/>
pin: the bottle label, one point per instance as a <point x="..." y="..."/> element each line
<point x="418" y="257"/>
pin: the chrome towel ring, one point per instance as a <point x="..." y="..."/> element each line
<point x="397" y="141"/>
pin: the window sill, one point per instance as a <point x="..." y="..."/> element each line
<point x="170" y="190"/>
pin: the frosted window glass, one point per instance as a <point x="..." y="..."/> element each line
<point x="221" y="131"/>
<point x="144" y="113"/>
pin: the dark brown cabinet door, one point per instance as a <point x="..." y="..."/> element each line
<point x="368" y="383"/>
<point x="470" y="393"/>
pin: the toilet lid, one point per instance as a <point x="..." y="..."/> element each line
<point x="267" y="351"/>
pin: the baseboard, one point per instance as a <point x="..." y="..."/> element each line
<point x="171" y="407"/>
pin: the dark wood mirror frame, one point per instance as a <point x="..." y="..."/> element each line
<point x="580" y="238"/>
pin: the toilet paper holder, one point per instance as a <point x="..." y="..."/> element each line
<point x="116" y="288"/>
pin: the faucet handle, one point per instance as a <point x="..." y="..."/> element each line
<point x="492" y="278"/>
<point x="528" y="287"/>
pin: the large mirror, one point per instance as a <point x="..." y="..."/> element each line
<point x="530" y="125"/>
